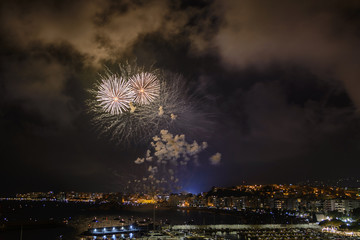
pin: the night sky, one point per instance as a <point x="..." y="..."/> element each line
<point x="279" y="81"/>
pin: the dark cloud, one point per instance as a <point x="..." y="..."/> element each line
<point x="322" y="36"/>
<point x="280" y="78"/>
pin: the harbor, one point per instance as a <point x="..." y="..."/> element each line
<point x="217" y="231"/>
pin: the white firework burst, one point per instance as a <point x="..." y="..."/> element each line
<point x="174" y="109"/>
<point x="146" y="87"/>
<point x="114" y="95"/>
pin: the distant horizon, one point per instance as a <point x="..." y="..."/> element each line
<point x="193" y="191"/>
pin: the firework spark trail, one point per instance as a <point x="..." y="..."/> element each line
<point x="114" y="95"/>
<point x="146" y="87"/>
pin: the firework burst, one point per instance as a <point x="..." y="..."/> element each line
<point x="146" y="87"/>
<point x="170" y="107"/>
<point x="114" y="95"/>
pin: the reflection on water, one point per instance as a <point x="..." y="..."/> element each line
<point x="65" y="233"/>
<point x="78" y="218"/>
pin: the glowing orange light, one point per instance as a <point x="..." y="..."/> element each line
<point x="142" y="90"/>
<point x="116" y="99"/>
